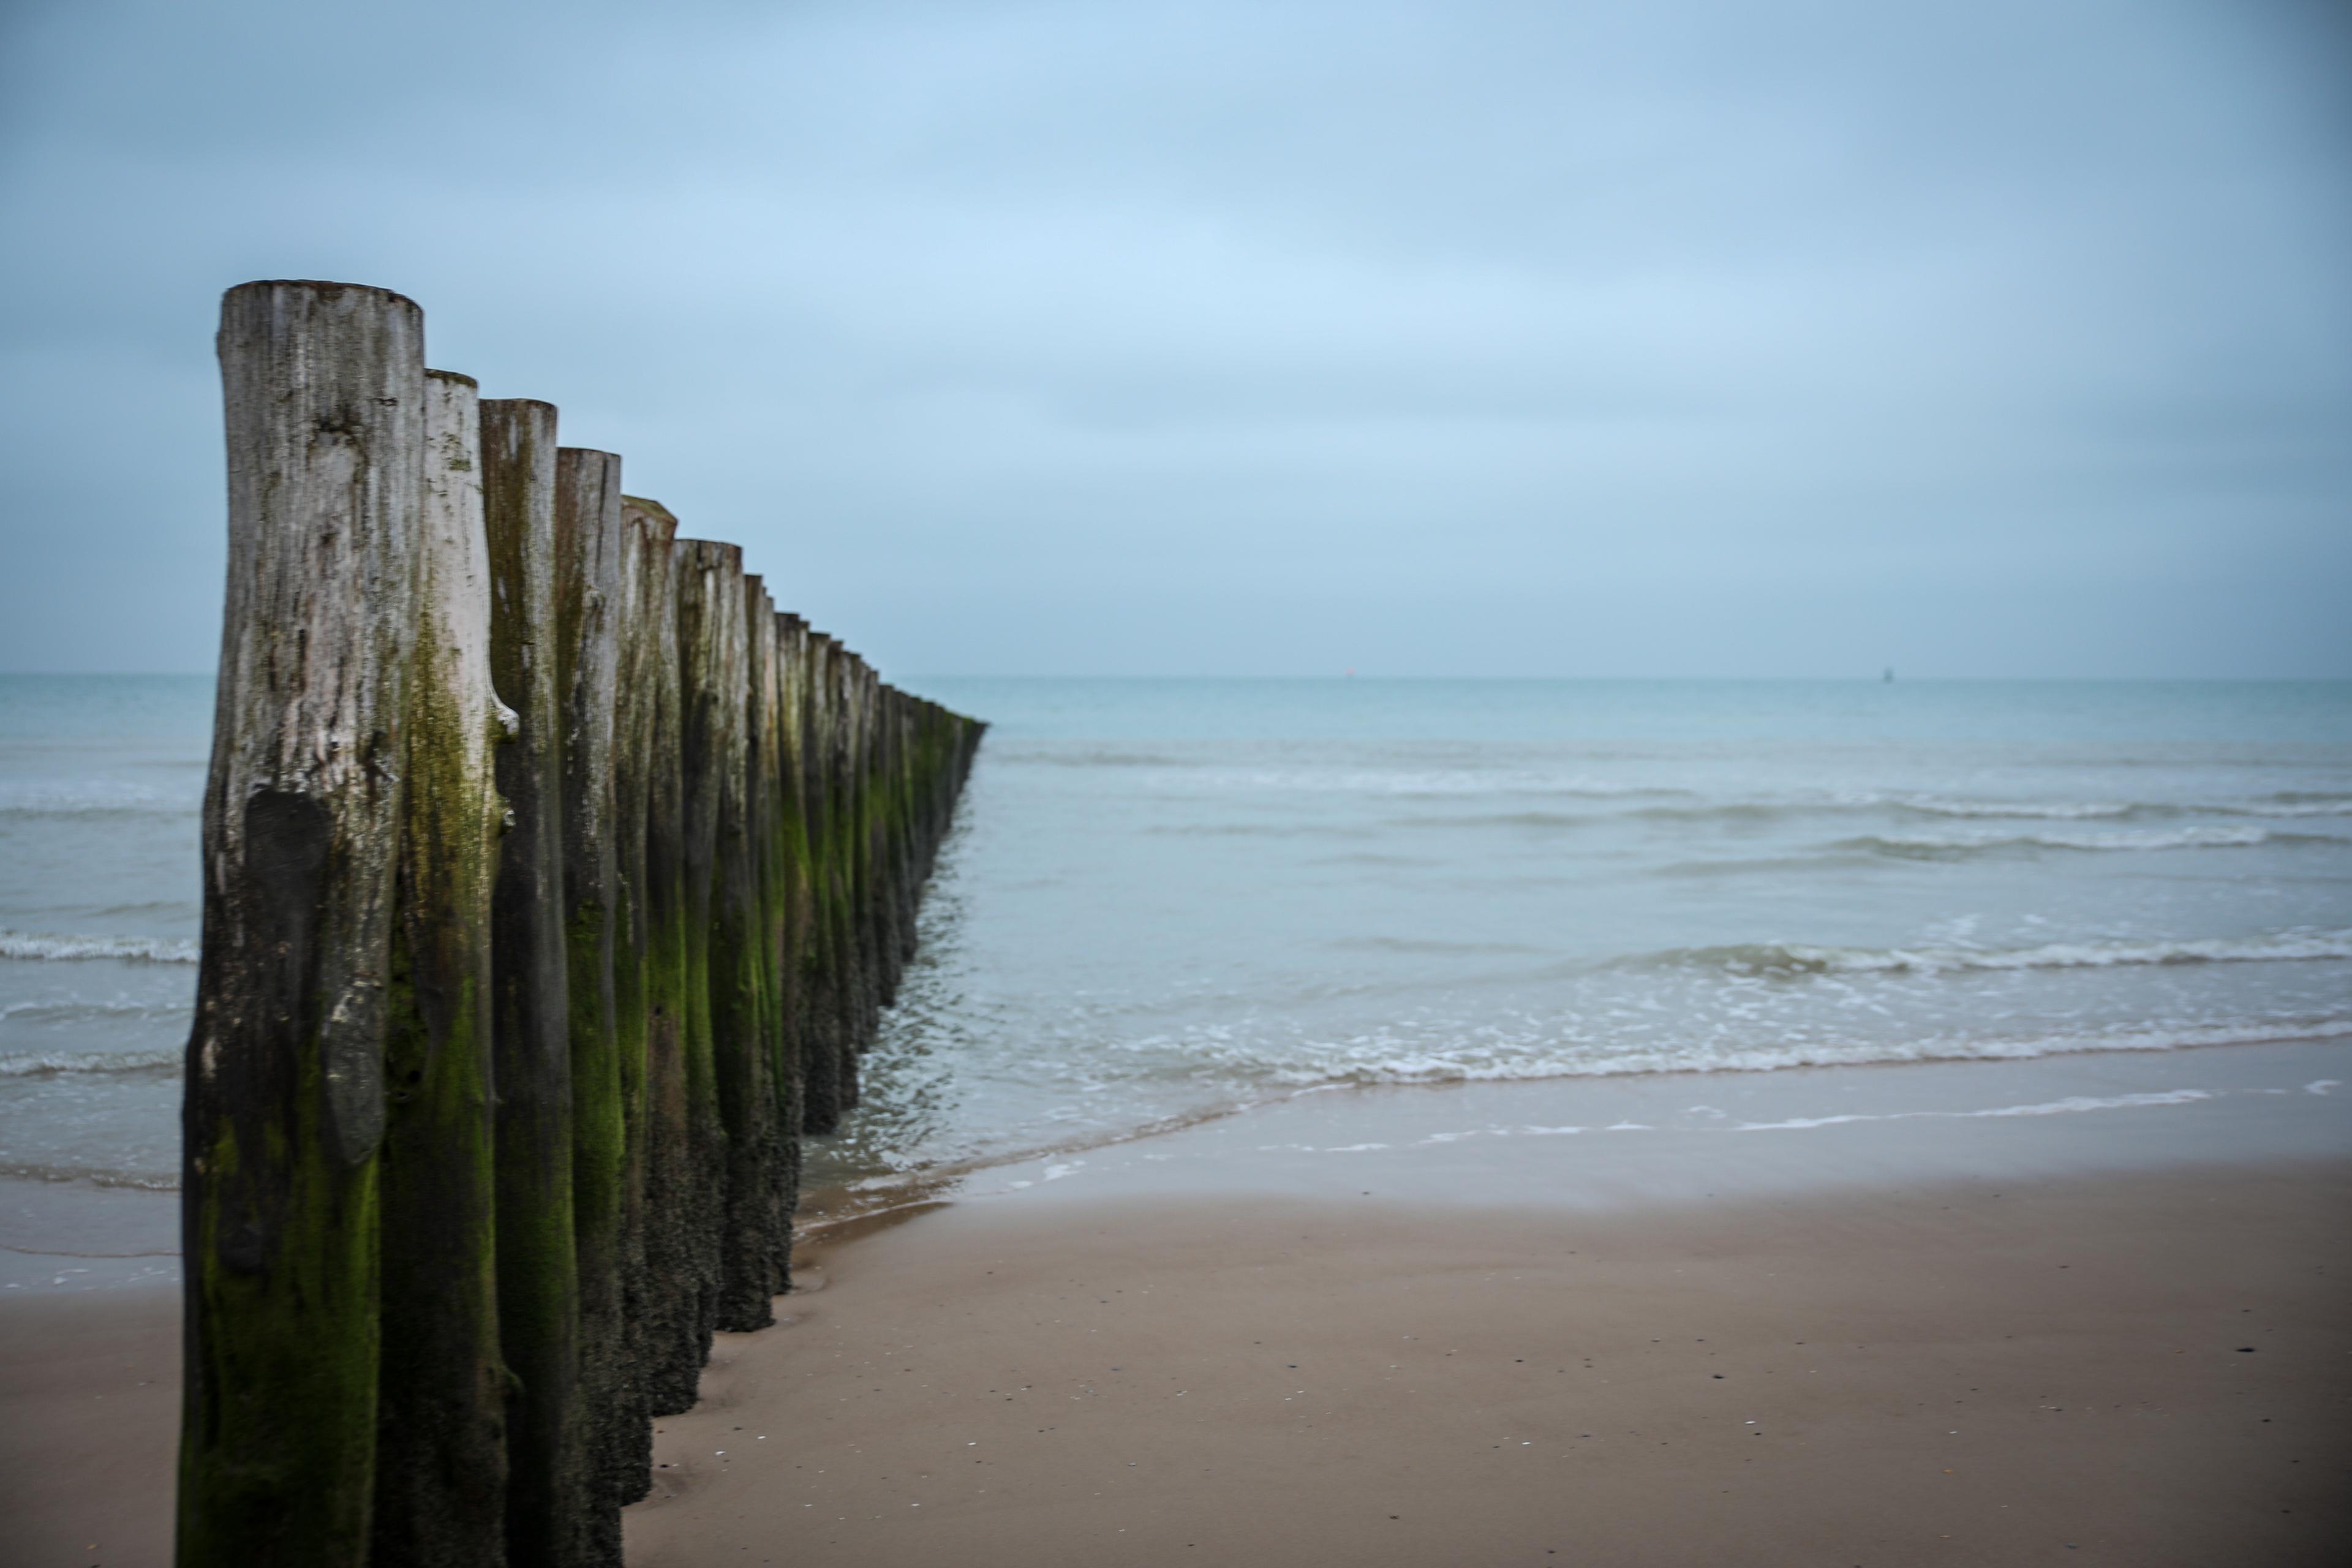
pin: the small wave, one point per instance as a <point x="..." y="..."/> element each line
<point x="2058" y="811"/>
<point x="140" y="949"/>
<point x="1945" y="808"/>
<point x="1370" y="1062"/>
<point x="1092" y="759"/>
<point x="95" y="800"/>
<point x="96" y="1176"/>
<point x="2289" y="803"/>
<point x="61" y="1064"/>
<point x="1929" y="845"/>
<point x="78" y="1011"/>
<point x="1796" y="959"/>
<point x="1921" y="806"/>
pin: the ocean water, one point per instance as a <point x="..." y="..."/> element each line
<point x="1170" y="898"/>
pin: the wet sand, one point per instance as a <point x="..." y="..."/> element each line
<point x="1786" y="1318"/>
<point x="2085" y="1309"/>
<point x="2142" y="1369"/>
<point x="90" y="1427"/>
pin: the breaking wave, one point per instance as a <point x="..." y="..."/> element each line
<point x="1794" y="960"/>
<point x="1934" y="845"/>
<point x="61" y="1064"/>
<point x="139" y="949"/>
<point x="1373" y="1060"/>
<point x="96" y="1176"/>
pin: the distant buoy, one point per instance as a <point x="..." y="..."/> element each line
<point x="1890" y="672"/>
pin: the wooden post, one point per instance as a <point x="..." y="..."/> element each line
<point x="723" y="861"/>
<point x="549" y="1503"/>
<point x="554" y="883"/>
<point x="599" y="587"/>
<point x="858" y="795"/>
<point x="324" y="393"/>
<point x="684" y="1170"/>
<point x="826" y="1050"/>
<point x="779" y="1193"/>
<point x="801" y="948"/>
<point x="441" y="1464"/>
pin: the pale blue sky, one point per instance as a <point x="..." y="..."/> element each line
<point x="1714" y="337"/>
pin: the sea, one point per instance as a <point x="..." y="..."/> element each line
<point x="1168" y="899"/>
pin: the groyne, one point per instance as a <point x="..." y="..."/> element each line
<point x="554" y="883"/>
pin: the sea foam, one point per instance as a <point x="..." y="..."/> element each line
<point x="139" y="949"/>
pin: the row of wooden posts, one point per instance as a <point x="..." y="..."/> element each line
<point x="553" y="882"/>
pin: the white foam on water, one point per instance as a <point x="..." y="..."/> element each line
<point x="95" y="1175"/>
<point x="2108" y="840"/>
<point x="1798" y="958"/>
<point x="2073" y="1105"/>
<point x="78" y="1011"/>
<point x="1535" y="1056"/>
<point x="57" y="1064"/>
<point x="2052" y="810"/>
<point x="140" y="949"/>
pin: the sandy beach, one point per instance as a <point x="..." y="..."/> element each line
<point x="2076" y="1309"/>
<point x="2099" y="1370"/>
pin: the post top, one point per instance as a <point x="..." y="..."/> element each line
<point x="319" y="287"/>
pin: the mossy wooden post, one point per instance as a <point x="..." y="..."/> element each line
<point x="608" y="728"/>
<point x="898" y="827"/>
<point x="441" y="1414"/>
<point x="858" y="790"/>
<point x="825" y="1048"/>
<point x="716" y="657"/>
<point x="549" y="1503"/>
<point x="799" y="916"/>
<point x="684" y="1170"/>
<point x="324" y="394"/>
<point x="772" y="925"/>
<point x="847" y="754"/>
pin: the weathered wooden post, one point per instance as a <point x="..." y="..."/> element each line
<point x="684" y="1166"/>
<point x="857" y="693"/>
<point x="722" y="858"/>
<point x="324" y="389"/>
<point x="777" y="1192"/>
<point x="541" y="1287"/>
<point x="441" y="1461"/>
<point x="553" y="882"/>
<point x="801" y="955"/>
<point x="603" y="840"/>
<point x="826" y="1051"/>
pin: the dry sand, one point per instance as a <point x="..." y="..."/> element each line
<point x="2141" y="1369"/>
<point x="1447" y="1327"/>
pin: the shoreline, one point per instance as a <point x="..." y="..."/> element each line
<point x="141" y="1221"/>
<point x="2215" y="1170"/>
<point x="1940" y="1082"/>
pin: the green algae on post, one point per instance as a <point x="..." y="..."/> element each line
<point x="550" y="1504"/>
<point x="441" y="1456"/>
<point x="554" y="882"/>
<point x="324" y="395"/>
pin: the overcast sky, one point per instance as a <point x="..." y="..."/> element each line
<point x="2004" y="337"/>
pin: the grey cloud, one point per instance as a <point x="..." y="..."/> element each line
<point x="1695" y="338"/>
